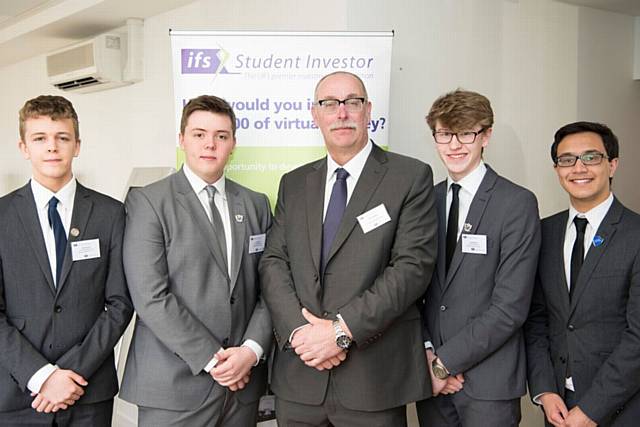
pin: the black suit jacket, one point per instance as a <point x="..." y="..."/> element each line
<point x="372" y="279"/>
<point x="75" y="325"/>
<point x="598" y="332"/>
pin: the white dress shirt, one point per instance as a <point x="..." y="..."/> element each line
<point x="199" y="187"/>
<point x="41" y="196"/>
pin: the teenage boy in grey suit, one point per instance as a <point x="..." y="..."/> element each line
<point x="583" y="331"/>
<point x="351" y="250"/>
<point x="63" y="297"/>
<point x="489" y="237"/>
<point x="192" y="245"/>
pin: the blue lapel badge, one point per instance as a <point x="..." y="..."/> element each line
<point x="597" y="240"/>
<point x="239" y="218"/>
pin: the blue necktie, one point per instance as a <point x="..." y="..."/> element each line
<point x="59" y="234"/>
<point x="335" y="211"/>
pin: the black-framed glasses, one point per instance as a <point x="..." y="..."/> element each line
<point x="464" y="137"/>
<point x="589" y="158"/>
<point x="352" y="105"/>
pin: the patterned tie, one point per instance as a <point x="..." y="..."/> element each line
<point x="59" y="234"/>
<point x="452" y="226"/>
<point x="216" y="221"/>
<point x="577" y="253"/>
<point x="335" y="211"/>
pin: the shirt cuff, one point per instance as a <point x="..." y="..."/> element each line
<point x="212" y="363"/>
<point x="256" y="348"/>
<point x="35" y="382"/>
<point x="428" y="345"/>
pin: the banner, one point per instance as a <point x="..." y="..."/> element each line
<point x="269" y="79"/>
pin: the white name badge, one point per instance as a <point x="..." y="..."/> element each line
<point x="85" y="249"/>
<point x="256" y="243"/>
<point x="373" y="218"/>
<point x="474" y="244"/>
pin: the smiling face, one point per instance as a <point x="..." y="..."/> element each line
<point x="50" y="145"/>
<point x="344" y="131"/>
<point x="462" y="159"/>
<point x="207" y="142"/>
<point x="588" y="186"/>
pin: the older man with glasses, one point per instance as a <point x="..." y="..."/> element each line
<point x="583" y="331"/>
<point x="478" y="299"/>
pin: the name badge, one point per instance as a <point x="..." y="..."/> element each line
<point x="256" y="243"/>
<point x="474" y="244"/>
<point x="373" y="218"/>
<point x="85" y="249"/>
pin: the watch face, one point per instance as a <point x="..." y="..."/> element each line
<point x="343" y="341"/>
<point x="439" y="371"/>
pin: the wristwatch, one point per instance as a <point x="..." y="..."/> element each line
<point x="439" y="371"/>
<point x="343" y="340"/>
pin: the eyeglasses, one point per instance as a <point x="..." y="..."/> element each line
<point x="590" y="158"/>
<point x="352" y="105"/>
<point x="466" y="137"/>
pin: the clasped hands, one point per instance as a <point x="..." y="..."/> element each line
<point x="452" y="384"/>
<point x="315" y="343"/>
<point x="61" y="390"/>
<point x="558" y="415"/>
<point x="234" y="367"/>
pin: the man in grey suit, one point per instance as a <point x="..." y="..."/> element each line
<point x="63" y="297"/>
<point x="351" y="250"/>
<point x="583" y="330"/>
<point x="489" y="237"/>
<point x="192" y="245"/>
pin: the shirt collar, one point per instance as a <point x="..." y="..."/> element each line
<point x="472" y="181"/>
<point x="198" y="184"/>
<point x="353" y="166"/>
<point x="595" y="215"/>
<point x="42" y="194"/>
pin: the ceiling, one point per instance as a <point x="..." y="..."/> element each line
<point x="628" y="7"/>
<point x="33" y="27"/>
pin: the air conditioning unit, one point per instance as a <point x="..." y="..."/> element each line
<point x="89" y="66"/>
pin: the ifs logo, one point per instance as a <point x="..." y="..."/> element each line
<point x="204" y="61"/>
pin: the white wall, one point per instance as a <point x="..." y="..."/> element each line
<point x="542" y="63"/>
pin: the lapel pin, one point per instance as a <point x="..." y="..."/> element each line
<point x="239" y="218"/>
<point x="467" y="227"/>
<point x="597" y="240"/>
<point x="74" y="232"/>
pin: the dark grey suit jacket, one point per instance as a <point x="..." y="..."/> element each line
<point x="598" y="331"/>
<point x="473" y="315"/>
<point x="187" y="305"/>
<point x="372" y="280"/>
<point x="75" y="325"/>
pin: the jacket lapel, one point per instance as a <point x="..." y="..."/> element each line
<point x="556" y="249"/>
<point x="82" y="206"/>
<point x="190" y="202"/>
<point x="370" y="178"/>
<point x="606" y="231"/>
<point x="476" y="211"/>
<point x="314" y="192"/>
<point x="27" y="212"/>
<point x="441" y="209"/>
<point x="237" y="217"/>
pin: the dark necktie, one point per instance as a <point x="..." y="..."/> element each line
<point x="335" y="211"/>
<point x="452" y="225"/>
<point x="577" y="253"/>
<point x="216" y="221"/>
<point x="59" y="234"/>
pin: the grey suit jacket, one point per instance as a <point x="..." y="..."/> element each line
<point x="188" y="307"/>
<point x="473" y="314"/>
<point x="372" y="280"/>
<point x="597" y="333"/>
<point x="75" y="325"/>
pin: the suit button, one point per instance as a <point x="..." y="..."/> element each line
<point x="563" y="360"/>
<point x="325" y="314"/>
<point x="315" y="277"/>
<point x="571" y="328"/>
<point x="443" y="307"/>
<point x="233" y="300"/>
<point x="57" y="309"/>
<point x="225" y="342"/>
